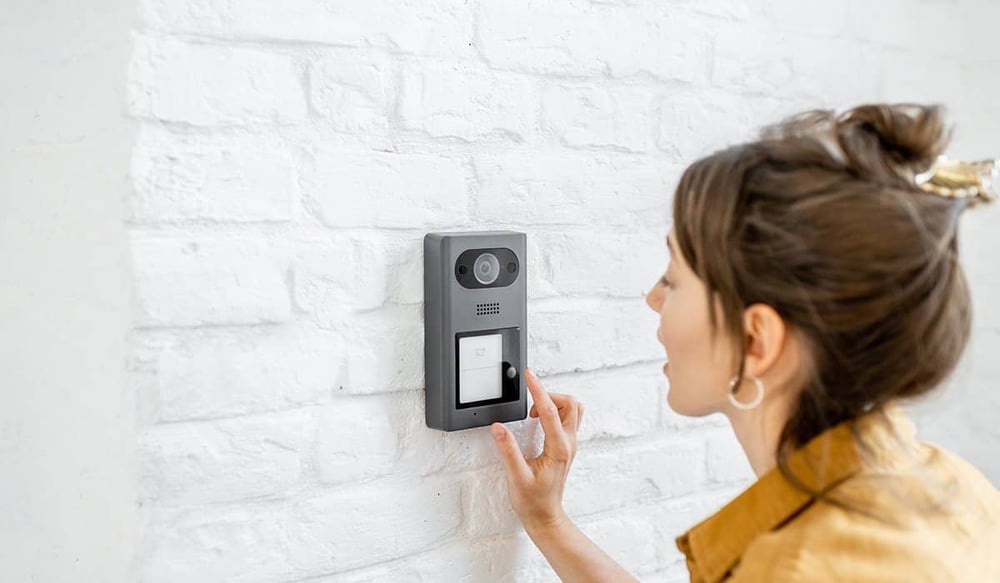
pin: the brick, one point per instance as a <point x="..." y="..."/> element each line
<point x="820" y="66"/>
<point x="441" y="27"/>
<point x="620" y="402"/>
<point x="762" y="69"/>
<point x="422" y="451"/>
<point x="345" y="272"/>
<point x="497" y="558"/>
<point x="594" y="40"/>
<point x="312" y="536"/>
<point x="980" y="83"/>
<point x="245" y="542"/>
<point x="191" y="281"/>
<point x="356" y="440"/>
<point x="223" y="372"/>
<point x="573" y="188"/>
<point x="343" y="530"/>
<point x="589" y="262"/>
<point x="904" y="79"/>
<point x="352" y="91"/>
<point x="778" y="63"/>
<point x="813" y="17"/>
<point x="588" y="334"/>
<point x="739" y="10"/>
<point x="461" y="100"/>
<point x="608" y="476"/>
<point x="451" y="562"/>
<point x="932" y="28"/>
<point x="626" y="537"/>
<point x="385" y="350"/>
<point x="226" y="460"/>
<point x="695" y="123"/>
<point x="486" y="505"/>
<point x="235" y="179"/>
<point x="978" y="26"/>
<point x="207" y="85"/>
<point x="619" y="118"/>
<point x="539" y="285"/>
<point x="371" y="189"/>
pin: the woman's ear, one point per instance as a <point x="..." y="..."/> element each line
<point x="766" y="335"/>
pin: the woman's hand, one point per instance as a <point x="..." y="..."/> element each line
<point x="536" y="485"/>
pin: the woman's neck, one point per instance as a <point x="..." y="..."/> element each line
<point x="759" y="431"/>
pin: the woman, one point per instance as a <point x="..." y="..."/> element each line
<point x="813" y="284"/>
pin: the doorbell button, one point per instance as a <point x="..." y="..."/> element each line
<point x="479" y="359"/>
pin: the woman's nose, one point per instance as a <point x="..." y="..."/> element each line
<point x="652" y="300"/>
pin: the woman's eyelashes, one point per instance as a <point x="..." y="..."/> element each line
<point x="666" y="282"/>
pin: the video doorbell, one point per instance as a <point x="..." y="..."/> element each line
<point x="475" y="328"/>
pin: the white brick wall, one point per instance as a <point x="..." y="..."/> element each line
<point x="292" y="155"/>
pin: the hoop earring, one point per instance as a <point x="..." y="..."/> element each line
<point x="731" y="389"/>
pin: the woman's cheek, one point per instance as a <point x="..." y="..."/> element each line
<point x="671" y="324"/>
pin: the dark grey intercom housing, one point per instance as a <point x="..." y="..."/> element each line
<point x="475" y="328"/>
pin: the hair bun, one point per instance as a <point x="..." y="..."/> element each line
<point x="892" y="142"/>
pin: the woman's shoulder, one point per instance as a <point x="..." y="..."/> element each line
<point x="937" y="519"/>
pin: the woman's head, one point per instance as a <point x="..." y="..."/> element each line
<point x="816" y="255"/>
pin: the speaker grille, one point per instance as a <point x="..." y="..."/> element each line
<point x="488" y="309"/>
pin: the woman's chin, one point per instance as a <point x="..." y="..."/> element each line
<point x="672" y="402"/>
<point x="677" y="405"/>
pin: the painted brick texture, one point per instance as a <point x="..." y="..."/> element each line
<point x="292" y="155"/>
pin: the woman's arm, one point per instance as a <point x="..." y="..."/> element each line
<point x="574" y="557"/>
<point x="536" y="489"/>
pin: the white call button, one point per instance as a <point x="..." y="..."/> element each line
<point x="479" y="360"/>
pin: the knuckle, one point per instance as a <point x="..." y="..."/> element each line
<point x="561" y="455"/>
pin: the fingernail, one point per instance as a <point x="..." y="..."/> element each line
<point x="497" y="431"/>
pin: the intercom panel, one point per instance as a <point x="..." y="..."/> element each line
<point x="475" y="328"/>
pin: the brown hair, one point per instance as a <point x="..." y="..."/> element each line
<point x="822" y="220"/>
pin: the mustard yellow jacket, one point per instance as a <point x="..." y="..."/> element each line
<point x="904" y="511"/>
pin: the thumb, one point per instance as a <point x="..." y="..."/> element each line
<point x="510" y="453"/>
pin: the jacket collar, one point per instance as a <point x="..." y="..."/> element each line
<point x="714" y="546"/>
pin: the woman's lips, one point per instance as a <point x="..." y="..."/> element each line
<point x="666" y="368"/>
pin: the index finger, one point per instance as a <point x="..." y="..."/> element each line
<point x="567" y="405"/>
<point x="548" y="414"/>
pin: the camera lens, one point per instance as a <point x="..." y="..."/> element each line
<point x="486" y="268"/>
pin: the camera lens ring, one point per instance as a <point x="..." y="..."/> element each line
<point x="486" y="268"/>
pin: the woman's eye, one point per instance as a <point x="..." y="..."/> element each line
<point x="666" y="282"/>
